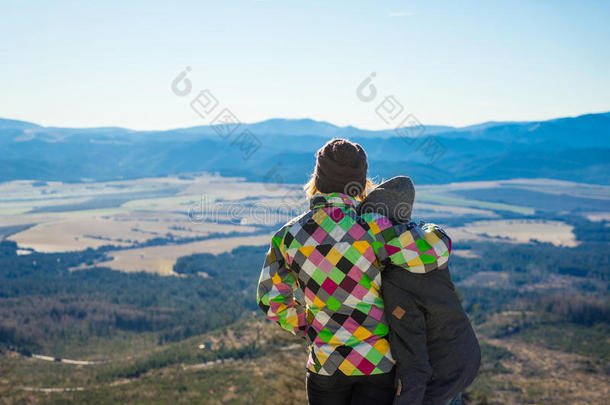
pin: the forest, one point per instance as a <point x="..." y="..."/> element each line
<point x="43" y="300"/>
<point x="535" y="293"/>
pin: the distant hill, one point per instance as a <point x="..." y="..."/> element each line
<point x="15" y="124"/>
<point x="576" y="148"/>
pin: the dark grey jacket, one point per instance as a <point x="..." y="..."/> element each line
<point x="432" y="341"/>
<point x="436" y="351"/>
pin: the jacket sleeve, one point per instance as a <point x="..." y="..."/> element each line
<point x="275" y="294"/>
<point x="420" y="248"/>
<point x="408" y="344"/>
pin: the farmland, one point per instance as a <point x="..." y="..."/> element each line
<point x="61" y="217"/>
<point x="193" y="214"/>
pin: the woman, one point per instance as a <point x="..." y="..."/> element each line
<point x="334" y="256"/>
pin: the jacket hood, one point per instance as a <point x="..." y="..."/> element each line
<point x="332" y="200"/>
<point x="393" y="198"/>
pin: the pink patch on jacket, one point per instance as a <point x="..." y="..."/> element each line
<point x="335" y="213"/>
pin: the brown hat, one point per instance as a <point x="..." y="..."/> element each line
<point x="341" y="167"/>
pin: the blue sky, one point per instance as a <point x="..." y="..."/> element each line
<point x="110" y="63"/>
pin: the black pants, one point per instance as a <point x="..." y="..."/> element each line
<point x="340" y="389"/>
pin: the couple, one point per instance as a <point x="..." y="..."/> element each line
<point x="380" y="313"/>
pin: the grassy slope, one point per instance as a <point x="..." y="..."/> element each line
<point x="513" y="371"/>
<point x="246" y="372"/>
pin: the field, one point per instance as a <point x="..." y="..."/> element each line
<point x="62" y="217"/>
<point x="517" y="230"/>
<point x="149" y="223"/>
<point x="161" y="259"/>
<point x="193" y="214"/>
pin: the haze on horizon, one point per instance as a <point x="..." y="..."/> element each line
<point x="111" y="64"/>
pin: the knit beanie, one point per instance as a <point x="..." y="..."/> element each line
<point x="341" y="167"/>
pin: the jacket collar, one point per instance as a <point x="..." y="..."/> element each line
<point x="322" y="200"/>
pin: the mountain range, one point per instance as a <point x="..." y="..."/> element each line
<point x="282" y="150"/>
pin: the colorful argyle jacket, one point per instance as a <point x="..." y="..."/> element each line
<point x="334" y="256"/>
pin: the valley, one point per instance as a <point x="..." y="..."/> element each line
<point x="148" y="294"/>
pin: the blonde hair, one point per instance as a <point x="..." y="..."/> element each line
<point x="311" y="189"/>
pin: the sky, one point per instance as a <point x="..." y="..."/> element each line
<point x="112" y="63"/>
